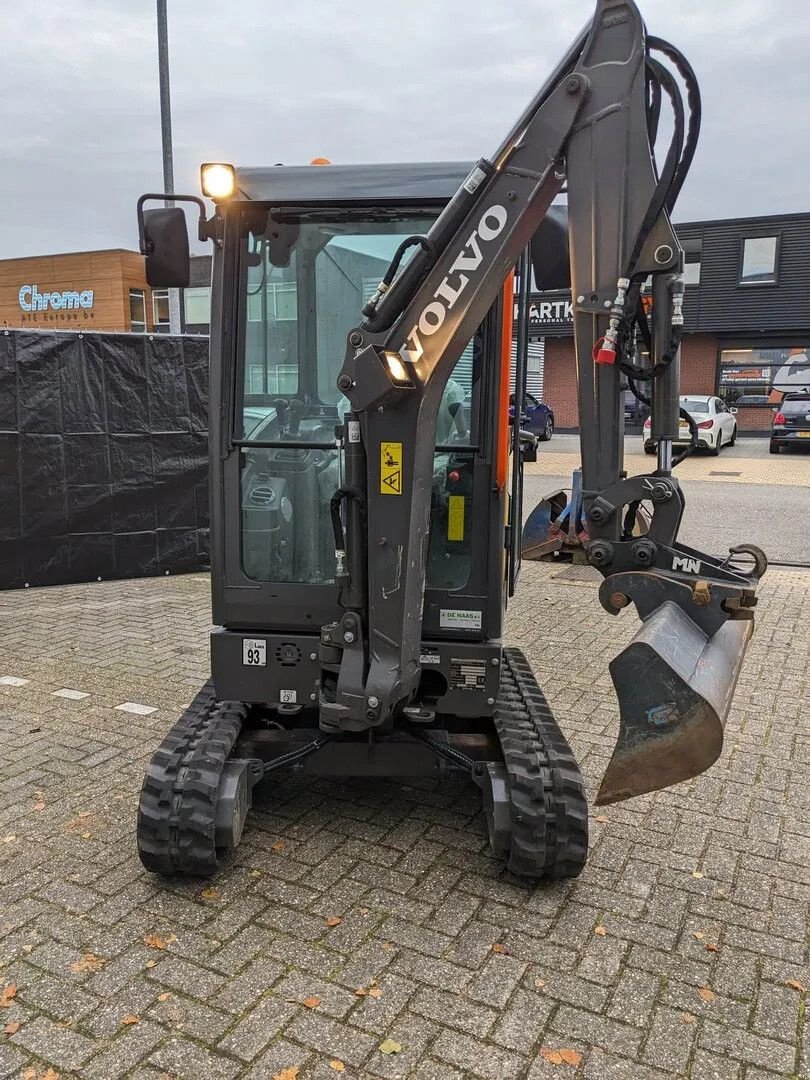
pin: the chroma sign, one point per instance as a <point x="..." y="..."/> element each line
<point x="31" y="299"/>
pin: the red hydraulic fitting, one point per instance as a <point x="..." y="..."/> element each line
<point x="604" y="352"/>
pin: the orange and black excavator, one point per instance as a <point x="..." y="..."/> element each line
<point x="366" y="480"/>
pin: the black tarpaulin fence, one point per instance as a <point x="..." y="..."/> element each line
<point x="103" y="456"/>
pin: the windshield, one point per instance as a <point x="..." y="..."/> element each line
<point x="305" y="281"/>
<point x="795" y="406"/>
<point x="694" y="405"/>
<point x="297" y="315"/>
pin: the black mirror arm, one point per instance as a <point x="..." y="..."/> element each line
<point x="205" y="229"/>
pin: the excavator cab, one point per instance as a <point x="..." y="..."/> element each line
<point x="366" y="481"/>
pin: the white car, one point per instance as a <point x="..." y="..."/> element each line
<point x="717" y="426"/>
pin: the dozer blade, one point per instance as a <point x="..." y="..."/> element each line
<point x="674" y="686"/>
<point x="541" y="536"/>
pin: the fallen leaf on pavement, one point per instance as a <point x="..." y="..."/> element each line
<point x="688" y="1018"/>
<point x="154" y="941"/>
<point x="38" y="806"/>
<point x="794" y="984"/>
<point x="554" y="1057"/>
<point x="89" y="962"/>
<point x="337" y="1065"/>
<point x="711" y="947"/>
<point x="333" y="920"/>
<point x="571" y="1057"/>
<point x="375" y="992"/>
<point x="601" y="931"/>
<point x="51" y="1074"/>
<point x="211" y="894"/>
<point x="500" y="949"/>
<point x="13" y="1028"/>
<point x="278" y="846"/>
<point x="697" y="874"/>
<point x="388" y="1046"/>
<point x="288" y="1074"/>
<point x="539" y="983"/>
<point x="29" y="1074"/>
<point x="387" y="944"/>
<point x="164" y="996"/>
<point x="311" y="1002"/>
<point x="131" y="1020"/>
<point x="86" y="836"/>
<point x="363" y="911"/>
<point x="699" y="935"/>
<point x="28" y="947"/>
<point x="9" y="839"/>
<point x="150" y="963"/>
<point x="361" y="991"/>
<point x="255" y="873"/>
<point x="602" y="819"/>
<point x="705" y="994"/>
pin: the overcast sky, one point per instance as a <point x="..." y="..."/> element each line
<point x="262" y="81"/>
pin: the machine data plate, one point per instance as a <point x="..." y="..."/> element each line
<point x="468" y="675"/>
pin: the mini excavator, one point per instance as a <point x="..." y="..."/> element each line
<point x="366" y="472"/>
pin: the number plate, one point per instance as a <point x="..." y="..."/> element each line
<point x="254" y="652"/>
<point x="804" y="434"/>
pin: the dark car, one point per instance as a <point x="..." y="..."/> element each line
<point x="791" y="423"/>
<point x="537" y="416"/>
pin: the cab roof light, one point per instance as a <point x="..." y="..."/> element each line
<point x="217" y="180"/>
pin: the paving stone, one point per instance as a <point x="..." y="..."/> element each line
<point x="252" y="1034"/>
<point x="185" y="1060"/>
<point x="454" y="1010"/>
<point x="132" y="1045"/>
<point x="747" y="1047"/>
<point x="480" y="1059"/>
<point x="186" y="977"/>
<point x="670" y="1041"/>
<point x="596" y="1030"/>
<point x="521" y="1024"/>
<point x="328" y="1037"/>
<point x="496" y="981"/>
<point x="55" y="1044"/>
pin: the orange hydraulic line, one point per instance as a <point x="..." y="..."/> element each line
<point x="502" y="415"/>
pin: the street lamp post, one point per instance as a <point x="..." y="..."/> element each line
<point x="166" y="139"/>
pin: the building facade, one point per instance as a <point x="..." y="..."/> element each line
<point x="746" y="311"/>
<point x="83" y="290"/>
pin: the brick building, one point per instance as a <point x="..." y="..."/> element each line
<point x="747" y="319"/>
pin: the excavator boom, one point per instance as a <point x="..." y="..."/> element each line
<point x="590" y="128"/>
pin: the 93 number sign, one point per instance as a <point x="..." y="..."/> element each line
<point x="254" y="652"/>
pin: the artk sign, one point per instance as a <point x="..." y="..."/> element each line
<point x="31" y="299"/>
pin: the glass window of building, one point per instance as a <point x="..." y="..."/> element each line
<point x="759" y="257"/>
<point x="137" y="311"/>
<point x="751" y="377"/>
<point x="160" y="308"/>
<point x="691" y="270"/>
<point x="197" y="303"/>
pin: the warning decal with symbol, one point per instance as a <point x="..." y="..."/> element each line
<point x="391" y="468"/>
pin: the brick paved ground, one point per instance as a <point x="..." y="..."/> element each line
<point x="720" y="862"/>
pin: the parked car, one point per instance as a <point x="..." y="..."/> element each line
<point x="791" y="423"/>
<point x="537" y="416"/>
<point x="716" y="422"/>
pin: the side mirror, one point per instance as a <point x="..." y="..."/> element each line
<point x="733" y="411"/>
<point x="549" y="251"/>
<point x="163" y="239"/>
<point x="168" y="265"/>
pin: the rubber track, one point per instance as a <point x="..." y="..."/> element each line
<point x="548" y="804"/>
<point x="177" y="808"/>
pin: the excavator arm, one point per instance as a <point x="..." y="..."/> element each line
<point x="591" y="130"/>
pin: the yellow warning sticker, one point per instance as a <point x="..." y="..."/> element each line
<point x="391" y="468"/>
<point x="455" y="517"/>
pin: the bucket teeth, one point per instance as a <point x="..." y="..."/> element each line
<point x="674" y="686"/>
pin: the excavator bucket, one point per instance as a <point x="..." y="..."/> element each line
<point x="674" y="686"/>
